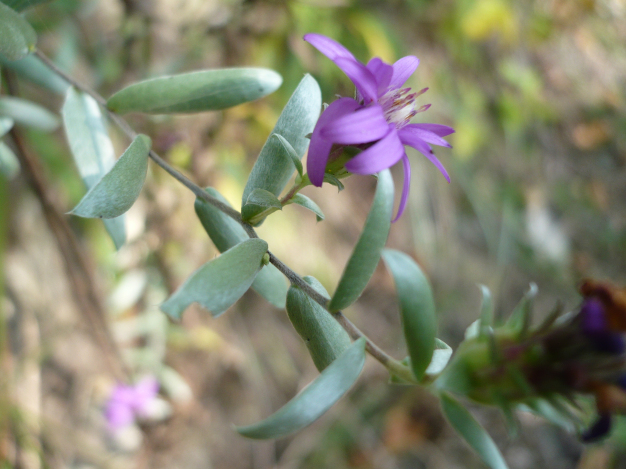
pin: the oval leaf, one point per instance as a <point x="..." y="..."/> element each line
<point x="314" y="400"/>
<point x="323" y="336"/>
<point x="6" y="124"/>
<point x="91" y="147"/>
<point x="274" y="167"/>
<point x="9" y="164"/>
<point x="206" y="90"/>
<point x="226" y="233"/>
<point x="472" y="432"/>
<point x="29" y="114"/>
<point x="304" y="201"/>
<point x="17" y="36"/>
<point x="291" y="153"/>
<point x="19" y="5"/>
<point x="34" y="70"/>
<point x="220" y="282"/>
<point x="259" y="199"/>
<point x="117" y="191"/>
<point x="417" y="308"/>
<point x="367" y="251"/>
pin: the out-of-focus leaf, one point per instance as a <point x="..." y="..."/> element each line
<point x="417" y="308"/>
<point x="259" y="200"/>
<point x="17" y="36"/>
<point x="304" y="201"/>
<point x="441" y="357"/>
<point x="367" y="251"/>
<point x="322" y="334"/>
<point x="29" y="114"/>
<point x="6" y="124"/>
<point x="226" y="233"/>
<point x="34" y="70"/>
<point x="274" y="166"/>
<point x="219" y="283"/>
<point x="544" y="409"/>
<point x="20" y="5"/>
<point x="314" y="400"/>
<point x="291" y="153"/>
<point x="472" y="432"/>
<point x="9" y="164"/>
<point x="332" y="179"/>
<point x="486" y="311"/>
<point x="520" y="318"/>
<point x="206" y="90"/>
<point x="117" y="191"/>
<point x="91" y="148"/>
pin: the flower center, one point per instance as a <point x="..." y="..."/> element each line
<point x="399" y="105"/>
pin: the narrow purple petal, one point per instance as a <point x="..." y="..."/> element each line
<point x="383" y="154"/>
<point x="319" y="147"/>
<point x="123" y="394"/>
<point x="363" y="79"/>
<point x="329" y="47"/>
<point x="406" y="165"/>
<point x="408" y="138"/>
<point x="403" y="69"/>
<point x="593" y="317"/>
<point x="383" y="73"/>
<point x="426" y="135"/>
<point x="362" y="126"/>
<point x="437" y="129"/>
<point x="145" y="391"/>
<point x="118" y="415"/>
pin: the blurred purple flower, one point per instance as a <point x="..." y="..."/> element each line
<point x="128" y="402"/>
<point x="377" y="120"/>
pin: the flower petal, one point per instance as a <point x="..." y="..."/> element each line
<point x="406" y="165"/>
<point x="118" y="415"/>
<point x="382" y="72"/>
<point x="362" y="126"/>
<point x="319" y="147"/>
<point x="383" y="154"/>
<point x="364" y="80"/>
<point x="408" y="138"/>
<point x="437" y="129"/>
<point x="403" y="69"/>
<point x="329" y="47"/>
<point x="426" y="135"/>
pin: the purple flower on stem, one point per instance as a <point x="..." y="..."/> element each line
<point x="376" y="120"/>
<point x="127" y="402"/>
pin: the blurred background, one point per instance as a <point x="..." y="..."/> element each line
<point x="536" y="92"/>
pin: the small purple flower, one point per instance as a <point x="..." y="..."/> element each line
<point x="377" y="120"/>
<point x="596" y="327"/>
<point x="127" y="402"/>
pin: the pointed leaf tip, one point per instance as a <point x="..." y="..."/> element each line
<point x="17" y="36"/>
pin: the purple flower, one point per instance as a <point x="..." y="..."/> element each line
<point x="127" y="402"/>
<point x="377" y="120"/>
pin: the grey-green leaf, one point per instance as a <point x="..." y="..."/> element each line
<point x="9" y="164"/>
<point x="20" y="5"/>
<point x="367" y="251"/>
<point x="322" y="334"/>
<point x="17" y="36"/>
<point x="291" y="153"/>
<point x="417" y="308"/>
<point x="219" y="283"/>
<point x="29" y="114"/>
<point x="6" y="124"/>
<point x="205" y="90"/>
<point x="34" y="70"/>
<point x="441" y="357"/>
<point x="314" y="400"/>
<point x="91" y="148"/>
<point x="274" y="167"/>
<point x="304" y="201"/>
<point x="117" y="191"/>
<point x="259" y="200"/>
<point x="486" y="311"/>
<point x="521" y="317"/>
<point x="226" y="233"/>
<point x="472" y="432"/>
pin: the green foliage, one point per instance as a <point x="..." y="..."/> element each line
<point x="486" y="311"/>
<point x="226" y="233"/>
<point x="323" y="336"/>
<point x="258" y="201"/>
<point x="9" y="164"/>
<point x="219" y="283"/>
<point x="274" y="166"/>
<point x="117" y="191"/>
<point x="91" y="147"/>
<point x="34" y="70"/>
<point x="441" y="357"/>
<point x="304" y="201"/>
<point x="28" y="114"/>
<point x="17" y="37"/>
<point x="472" y="432"/>
<point x="520" y="318"/>
<point x="20" y="5"/>
<point x="290" y="152"/>
<point x="206" y="90"/>
<point x="417" y="308"/>
<point x="314" y="400"/>
<point x="367" y="251"/>
<point x="6" y="124"/>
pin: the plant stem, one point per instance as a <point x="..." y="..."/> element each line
<point x="394" y="366"/>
